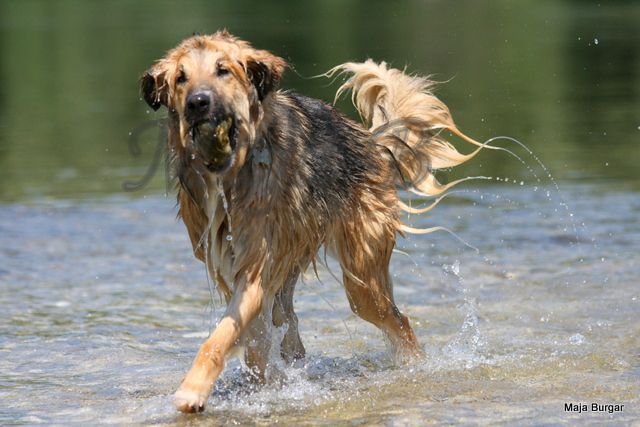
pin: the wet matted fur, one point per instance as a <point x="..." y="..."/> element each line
<point x="266" y="177"/>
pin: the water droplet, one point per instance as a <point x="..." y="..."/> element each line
<point x="225" y="205"/>
<point x="577" y="339"/>
<point x="452" y="268"/>
<point x="595" y="41"/>
<point x="193" y="156"/>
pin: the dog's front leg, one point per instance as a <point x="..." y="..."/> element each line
<point x="195" y="388"/>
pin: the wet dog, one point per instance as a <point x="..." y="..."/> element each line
<point x="267" y="177"/>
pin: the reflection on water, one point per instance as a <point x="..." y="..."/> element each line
<point x="104" y="305"/>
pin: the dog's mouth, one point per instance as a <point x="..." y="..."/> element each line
<point x="214" y="141"/>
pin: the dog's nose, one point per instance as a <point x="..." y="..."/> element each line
<point x="198" y="103"/>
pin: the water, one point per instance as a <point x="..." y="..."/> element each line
<point x="104" y="308"/>
<point x="103" y="305"/>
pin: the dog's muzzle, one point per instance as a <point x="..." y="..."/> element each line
<point x="213" y="131"/>
<point x="214" y="142"/>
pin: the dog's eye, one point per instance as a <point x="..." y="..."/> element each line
<point x="182" y="77"/>
<point x="222" y="71"/>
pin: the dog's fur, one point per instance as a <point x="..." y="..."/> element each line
<point x="300" y="175"/>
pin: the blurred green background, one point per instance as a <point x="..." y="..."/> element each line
<point x="563" y="77"/>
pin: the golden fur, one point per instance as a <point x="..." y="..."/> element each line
<point x="301" y="176"/>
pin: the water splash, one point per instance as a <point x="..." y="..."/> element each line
<point x="225" y="205"/>
<point x="566" y="219"/>
<point x="546" y="171"/>
<point x="577" y="339"/>
<point x="319" y="380"/>
<point x="210" y="271"/>
<point x="468" y="340"/>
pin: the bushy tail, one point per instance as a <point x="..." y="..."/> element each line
<point x="407" y="120"/>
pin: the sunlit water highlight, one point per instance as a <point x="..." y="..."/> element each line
<point x="105" y="306"/>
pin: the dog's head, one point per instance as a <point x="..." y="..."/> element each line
<point x="214" y="87"/>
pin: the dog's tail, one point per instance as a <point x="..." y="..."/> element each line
<point x="407" y="120"/>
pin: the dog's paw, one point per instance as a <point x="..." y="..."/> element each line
<point x="190" y="401"/>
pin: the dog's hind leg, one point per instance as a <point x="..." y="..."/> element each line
<point x="291" y="348"/>
<point x="364" y="250"/>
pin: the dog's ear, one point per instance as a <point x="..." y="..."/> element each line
<point x="153" y="87"/>
<point x="264" y="70"/>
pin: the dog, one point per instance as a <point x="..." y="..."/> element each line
<point x="266" y="177"/>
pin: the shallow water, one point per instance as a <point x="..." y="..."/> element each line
<point x="103" y="306"/>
